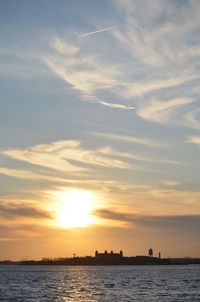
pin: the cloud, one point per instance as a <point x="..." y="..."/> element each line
<point x="155" y="49"/>
<point x="69" y="162"/>
<point x="194" y="140"/>
<point x="60" y="155"/>
<point x="116" y="105"/>
<point x="46" y="155"/>
<point x="83" y="71"/>
<point x="192" y="118"/>
<point x="137" y="157"/>
<point x="168" y="75"/>
<point x="82" y="75"/>
<point x="150" y="221"/>
<point x="162" y="111"/>
<point x="160" y="30"/>
<point x="171" y="183"/>
<point x="140" y="89"/>
<point x="26" y="174"/>
<point x="69" y="157"/>
<point x="13" y="211"/>
<point x="86" y="78"/>
<point x="133" y="139"/>
<point x="165" y="193"/>
<point x="160" y="41"/>
<point x="63" y="48"/>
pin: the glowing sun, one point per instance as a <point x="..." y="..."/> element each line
<point x="75" y="207"/>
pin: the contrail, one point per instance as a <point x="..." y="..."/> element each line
<point x="97" y="31"/>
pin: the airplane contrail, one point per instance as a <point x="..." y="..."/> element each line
<point x="97" y="31"/>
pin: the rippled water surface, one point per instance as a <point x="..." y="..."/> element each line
<point x="104" y="283"/>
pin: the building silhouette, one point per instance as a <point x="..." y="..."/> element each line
<point x="150" y="252"/>
<point x="107" y="255"/>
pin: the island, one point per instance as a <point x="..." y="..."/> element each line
<point x="107" y="258"/>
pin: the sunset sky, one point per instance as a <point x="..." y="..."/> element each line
<point x="99" y="127"/>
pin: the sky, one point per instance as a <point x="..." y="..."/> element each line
<point x="99" y="127"/>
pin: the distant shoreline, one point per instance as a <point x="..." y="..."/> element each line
<point x="95" y="261"/>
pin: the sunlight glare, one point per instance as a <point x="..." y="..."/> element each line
<point x="75" y="208"/>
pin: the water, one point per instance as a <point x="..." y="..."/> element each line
<point x="95" y="284"/>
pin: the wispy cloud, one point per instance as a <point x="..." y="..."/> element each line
<point x="16" y="210"/>
<point x="89" y="76"/>
<point x="133" y="139"/>
<point x="46" y="155"/>
<point x="130" y="78"/>
<point x="116" y="105"/>
<point x="149" y="221"/>
<point x="144" y="32"/>
<point x="172" y="49"/>
<point x="60" y="155"/>
<point x="84" y="72"/>
<point x="69" y="163"/>
<point x="170" y="183"/>
<point x="137" y="157"/>
<point x="28" y="175"/>
<point x="162" y="111"/>
<point x="192" y="118"/>
<point x="140" y="89"/>
<point x="194" y="139"/>
<point x="64" y="48"/>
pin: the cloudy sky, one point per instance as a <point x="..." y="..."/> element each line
<point x="99" y="127"/>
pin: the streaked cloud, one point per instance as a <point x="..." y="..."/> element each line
<point x="115" y="105"/>
<point x="162" y="76"/>
<point x="192" y="118"/>
<point x="194" y="139"/>
<point x="70" y="163"/>
<point x="46" y="155"/>
<point x="171" y="183"/>
<point x="162" y="111"/>
<point x="145" y="33"/>
<point x="59" y="156"/>
<point x="150" y="221"/>
<point x="26" y="174"/>
<point x="133" y="139"/>
<point x="84" y="72"/>
<point x="63" y="48"/>
<point x="140" y="89"/>
<point x="138" y="157"/>
<point x="13" y="211"/>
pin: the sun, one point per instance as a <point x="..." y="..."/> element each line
<point x="74" y="208"/>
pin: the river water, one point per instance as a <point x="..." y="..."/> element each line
<point x="100" y="283"/>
